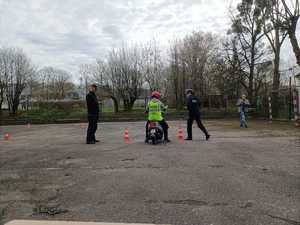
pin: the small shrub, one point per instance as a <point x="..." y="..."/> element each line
<point x="60" y="105"/>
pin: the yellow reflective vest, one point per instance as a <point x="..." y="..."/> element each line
<point x="155" y="108"/>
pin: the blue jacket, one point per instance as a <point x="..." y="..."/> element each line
<point x="243" y="105"/>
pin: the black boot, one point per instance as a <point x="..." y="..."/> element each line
<point x="207" y="137"/>
<point x="166" y="136"/>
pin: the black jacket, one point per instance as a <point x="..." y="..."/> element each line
<point x="193" y="105"/>
<point x="92" y="104"/>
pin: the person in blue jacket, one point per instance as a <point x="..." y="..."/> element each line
<point x="243" y="104"/>
<point x="193" y="106"/>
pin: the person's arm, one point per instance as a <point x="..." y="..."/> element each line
<point x="90" y="101"/>
<point x="147" y="108"/>
<point x="239" y="102"/>
<point x="163" y="107"/>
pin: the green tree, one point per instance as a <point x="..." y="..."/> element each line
<point x="248" y="30"/>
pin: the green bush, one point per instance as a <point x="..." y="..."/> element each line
<point x="60" y="105"/>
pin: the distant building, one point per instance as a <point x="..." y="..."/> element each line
<point x="73" y="95"/>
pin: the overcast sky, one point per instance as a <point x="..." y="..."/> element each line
<point x="66" y="33"/>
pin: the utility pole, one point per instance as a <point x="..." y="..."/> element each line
<point x="290" y="98"/>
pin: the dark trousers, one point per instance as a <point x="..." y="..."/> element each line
<point x="190" y="126"/>
<point x="92" y="128"/>
<point x="164" y="126"/>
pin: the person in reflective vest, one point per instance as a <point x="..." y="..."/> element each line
<point x="155" y="110"/>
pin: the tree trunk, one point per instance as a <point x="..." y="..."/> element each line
<point x="125" y="104"/>
<point x="1" y="98"/>
<point x="176" y="92"/>
<point x="128" y="104"/>
<point x="251" y="75"/>
<point x="276" y="84"/>
<point x="295" y="45"/>
<point x="116" y="104"/>
<point x="15" y="106"/>
<point x="131" y="103"/>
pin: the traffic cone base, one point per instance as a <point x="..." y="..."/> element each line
<point x="126" y="136"/>
<point x="180" y="135"/>
<point x="83" y="125"/>
<point x="7" y="137"/>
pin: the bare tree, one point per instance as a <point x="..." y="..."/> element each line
<point x="233" y="80"/>
<point x="2" y="83"/>
<point x="153" y="68"/>
<point x="45" y="76"/>
<point x="62" y="83"/>
<point x="17" y="70"/>
<point x="290" y="17"/>
<point x="272" y="10"/>
<point x="177" y="74"/>
<point x="125" y="74"/>
<point x="190" y="67"/>
<point x="54" y="83"/>
<point x="86" y="72"/>
<point x="102" y="76"/>
<point x="198" y="49"/>
<point x="99" y="72"/>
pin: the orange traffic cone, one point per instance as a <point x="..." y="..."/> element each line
<point x="83" y="125"/>
<point x="7" y="137"/>
<point x="126" y="136"/>
<point x="180" y="134"/>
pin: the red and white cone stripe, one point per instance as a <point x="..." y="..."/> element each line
<point x="295" y="103"/>
<point x="270" y="109"/>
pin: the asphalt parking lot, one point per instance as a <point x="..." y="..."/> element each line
<point x="239" y="177"/>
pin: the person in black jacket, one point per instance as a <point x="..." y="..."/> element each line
<point x="193" y="105"/>
<point x="93" y="114"/>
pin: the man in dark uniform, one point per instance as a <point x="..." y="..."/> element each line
<point x="193" y="105"/>
<point x="93" y="114"/>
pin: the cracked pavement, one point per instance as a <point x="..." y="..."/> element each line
<point x="241" y="176"/>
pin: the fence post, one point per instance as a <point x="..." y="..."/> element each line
<point x="295" y="103"/>
<point x="226" y="103"/>
<point x="290" y="99"/>
<point x="270" y="110"/>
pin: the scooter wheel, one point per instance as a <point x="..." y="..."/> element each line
<point x="153" y="141"/>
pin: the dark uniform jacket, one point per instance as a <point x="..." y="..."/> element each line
<point x="193" y="105"/>
<point x="92" y="104"/>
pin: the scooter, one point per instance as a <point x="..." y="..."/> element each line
<point x="155" y="133"/>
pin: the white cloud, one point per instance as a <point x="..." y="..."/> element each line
<point x="70" y="32"/>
